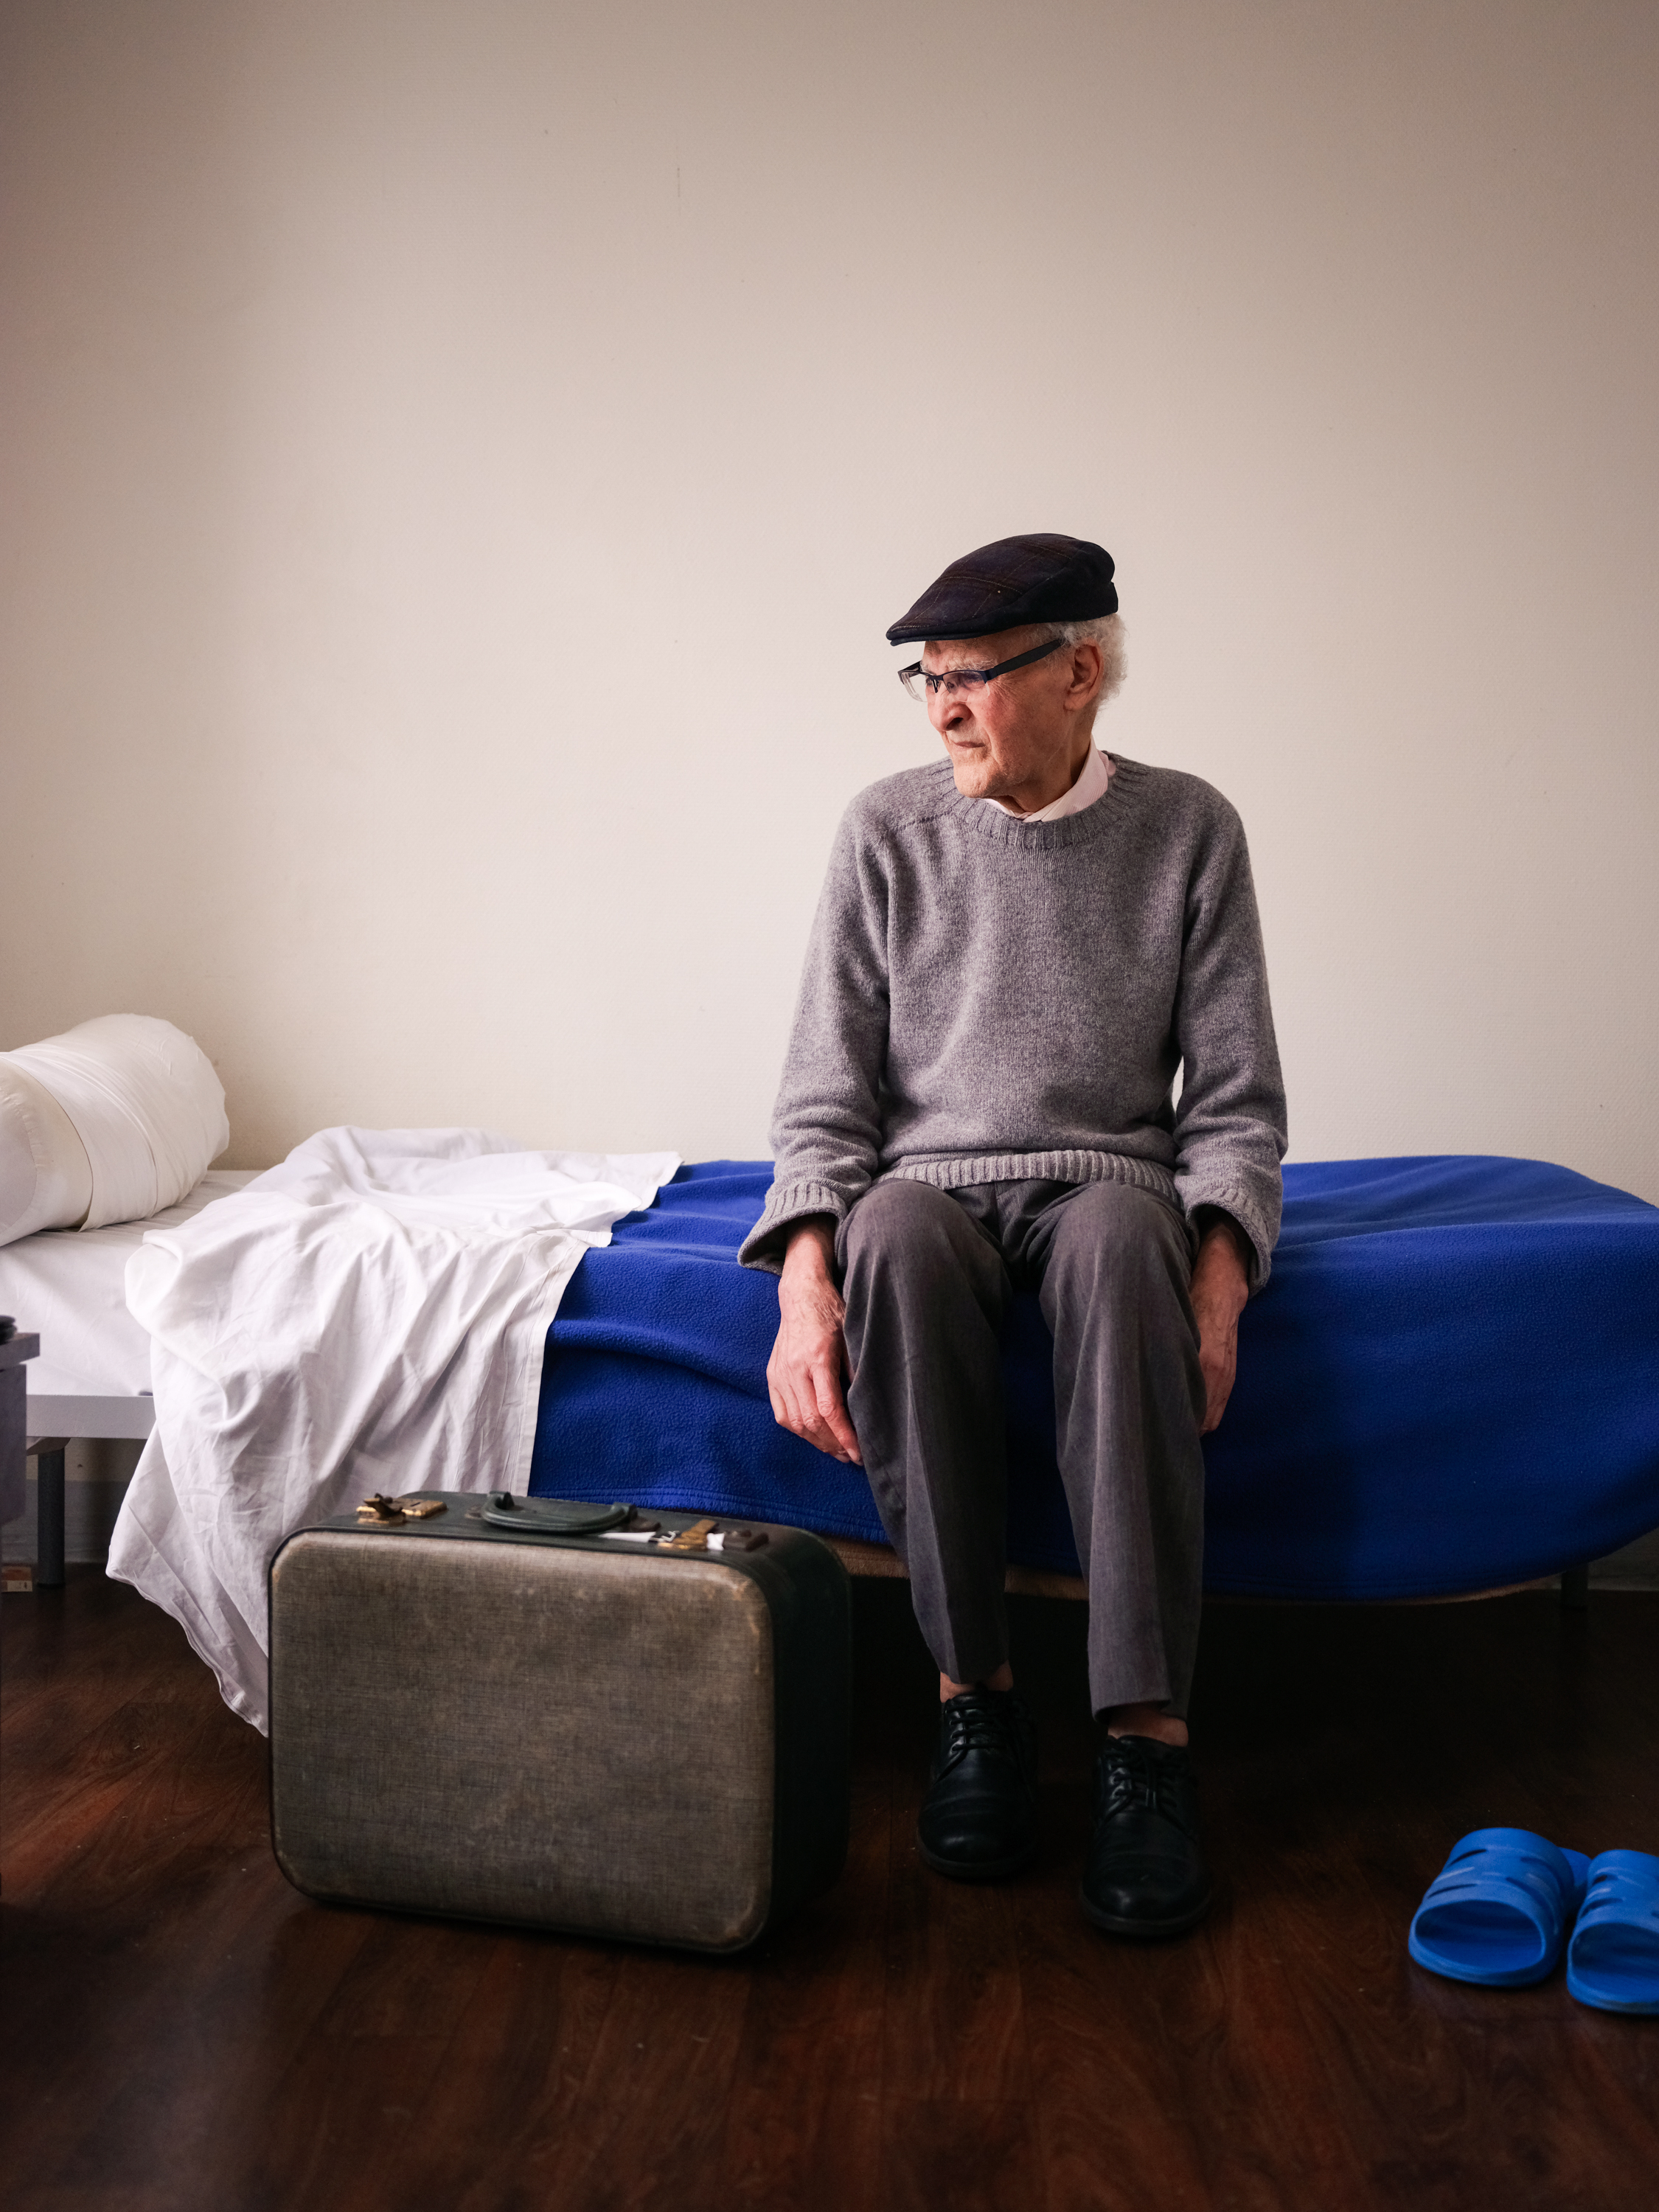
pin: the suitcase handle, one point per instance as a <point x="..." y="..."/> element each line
<point x="552" y="1516"/>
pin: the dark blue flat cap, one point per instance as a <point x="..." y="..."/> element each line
<point x="1039" y="578"/>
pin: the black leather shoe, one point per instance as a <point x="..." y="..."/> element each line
<point x="979" y="1818"/>
<point x="1144" y="1873"/>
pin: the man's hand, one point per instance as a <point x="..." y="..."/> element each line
<point x="1220" y="1290"/>
<point x="804" y="1375"/>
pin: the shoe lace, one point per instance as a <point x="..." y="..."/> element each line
<point x="974" y="1725"/>
<point x="1132" y="1774"/>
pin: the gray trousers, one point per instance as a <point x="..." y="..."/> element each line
<point x="926" y="1275"/>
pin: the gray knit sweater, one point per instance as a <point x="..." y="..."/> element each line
<point x="986" y="1000"/>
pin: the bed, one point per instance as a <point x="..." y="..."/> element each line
<point x="1450" y="1384"/>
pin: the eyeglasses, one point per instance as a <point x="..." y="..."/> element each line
<point x="956" y="682"/>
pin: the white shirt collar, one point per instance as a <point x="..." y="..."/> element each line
<point x="1093" y="779"/>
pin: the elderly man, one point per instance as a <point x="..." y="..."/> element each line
<point x="1015" y="954"/>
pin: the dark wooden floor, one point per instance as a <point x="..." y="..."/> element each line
<point x="180" y="2030"/>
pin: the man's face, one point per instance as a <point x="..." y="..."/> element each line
<point x="1023" y="736"/>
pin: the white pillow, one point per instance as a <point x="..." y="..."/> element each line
<point x="141" y="1100"/>
<point x="45" y="1177"/>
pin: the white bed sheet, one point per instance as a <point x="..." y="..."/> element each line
<point x="70" y="1285"/>
<point x="368" y="1316"/>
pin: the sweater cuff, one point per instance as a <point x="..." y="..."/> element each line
<point x="785" y="1203"/>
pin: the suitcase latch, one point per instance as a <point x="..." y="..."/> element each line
<point x="378" y="1512"/>
<point x="709" y="1537"/>
<point x="694" y="1539"/>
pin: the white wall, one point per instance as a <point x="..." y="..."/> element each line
<point x="460" y="456"/>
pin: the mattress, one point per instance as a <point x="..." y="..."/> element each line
<point x="1450" y="1383"/>
<point x="69" y="1285"/>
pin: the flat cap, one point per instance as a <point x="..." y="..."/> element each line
<point x="1039" y="578"/>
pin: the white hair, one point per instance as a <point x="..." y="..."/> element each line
<point x="1107" y="632"/>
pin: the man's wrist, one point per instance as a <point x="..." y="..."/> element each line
<point x="1225" y="1256"/>
<point x="1212" y="1221"/>
<point x="809" y="1252"/>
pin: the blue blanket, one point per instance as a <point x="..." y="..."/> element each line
<point x="1451" y="1381"/>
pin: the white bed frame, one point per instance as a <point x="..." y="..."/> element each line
<point x="74" y="1418"/>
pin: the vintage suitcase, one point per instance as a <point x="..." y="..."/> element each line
<point x="573" y="1716"/>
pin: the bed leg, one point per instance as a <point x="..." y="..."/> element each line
<point x="49" y="1520"/>
<point x="1575" y="1590"/>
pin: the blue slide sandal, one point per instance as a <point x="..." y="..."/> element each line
<point x="1499" y="1911"/>
<point x="1613" y="1959"/>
